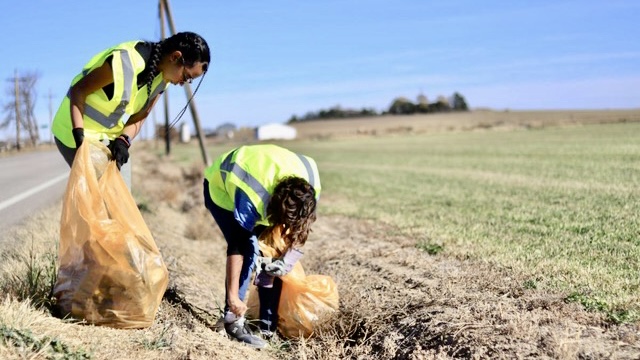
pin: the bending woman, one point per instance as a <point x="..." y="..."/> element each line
<point x="125" y="79"/>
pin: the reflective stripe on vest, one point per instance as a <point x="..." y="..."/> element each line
<point x="307" y="165"/>
<point x="111" y="120"/>
<point x="250" y="180"/>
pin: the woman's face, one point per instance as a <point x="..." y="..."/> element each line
<point x="177" y="73"/>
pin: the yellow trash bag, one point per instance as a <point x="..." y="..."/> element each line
<point x="111" y="272"/>
<point x="305" y="299"/>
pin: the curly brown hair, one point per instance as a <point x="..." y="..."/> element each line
<point x="293" y="205"/>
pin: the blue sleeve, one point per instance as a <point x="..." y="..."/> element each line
<point x="245" y="212"/>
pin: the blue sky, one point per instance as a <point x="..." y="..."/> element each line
<point x="273" y="59"/>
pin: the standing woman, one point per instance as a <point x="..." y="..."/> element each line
<point x="125" y="79"/>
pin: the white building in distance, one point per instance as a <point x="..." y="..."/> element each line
<point x="275" y="131"/>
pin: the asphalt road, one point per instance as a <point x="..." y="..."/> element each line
<point x="30" y="182"/>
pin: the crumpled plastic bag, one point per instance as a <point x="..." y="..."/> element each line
<point x="111" y="272"/>
<point x="305" y="301"/>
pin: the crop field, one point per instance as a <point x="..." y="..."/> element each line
<point x="559" y="204"/>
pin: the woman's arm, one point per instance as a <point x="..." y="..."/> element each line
<point x="92" y="82"/>
<point x="135" y="121"/>
<point x="234" y="267"/>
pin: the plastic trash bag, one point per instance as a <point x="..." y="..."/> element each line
<point x="111" y="272"/>
<point x="305" y="299"/>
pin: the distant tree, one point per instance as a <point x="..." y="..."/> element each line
<point x="399" y="106"/>
<point x="402" y="106"/>
<point x="458" y="102"/>
<point x="368" y="112"/>
<point x="441" y="105"/>
<point x="443" y="101"/>
<point x="423" y="104"/>
<point x="422" y="99"/>
<point x="336" y="112"/>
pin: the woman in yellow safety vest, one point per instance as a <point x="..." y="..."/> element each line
<point x="246" y="190"/>
<point x="125" y="79"/>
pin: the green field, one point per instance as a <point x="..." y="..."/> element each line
<point x="559" y="205"/>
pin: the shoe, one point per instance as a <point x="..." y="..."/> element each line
<point x="267" y="334"/>
<point x="239" y="330"/>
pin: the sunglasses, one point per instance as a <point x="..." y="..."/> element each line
<point x="185" y="75"/>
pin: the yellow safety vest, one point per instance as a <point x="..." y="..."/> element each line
<point x="257" y="169"/>
<point x="103" y="116"/>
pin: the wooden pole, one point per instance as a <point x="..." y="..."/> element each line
<point x="167" y="129"/>
<point x="154" y="133"/>
<point x="189" y="94"/>
<point x="17" y="102"/>
<point x="50" y="117"/>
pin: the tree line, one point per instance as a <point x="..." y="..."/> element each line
<point x="399" y="106"/>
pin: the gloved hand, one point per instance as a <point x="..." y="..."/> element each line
<point x="263" y="279"/>
<point x="282" y="266"/>
<point x="78" y="136"/>
<point x="120" y="150"/>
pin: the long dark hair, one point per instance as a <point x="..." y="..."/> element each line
<point x="293" y="205"/>
<point x="192" y="46"/>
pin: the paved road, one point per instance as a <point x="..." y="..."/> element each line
<point x="30" y="182"/>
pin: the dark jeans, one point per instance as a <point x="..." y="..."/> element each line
<point x="244" y="242"/>
<point x="67" y="153"/>
<point x="70" y="153"/>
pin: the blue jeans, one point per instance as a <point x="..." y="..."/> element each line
<point x="241" y="241"/>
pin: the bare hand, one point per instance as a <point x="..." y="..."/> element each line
<point x="237" y="306"/>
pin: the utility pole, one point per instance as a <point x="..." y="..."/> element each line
<point x="164" y="4"/>
<point x="167" y="128"/>
<point x="50" y="117"/>
<point x="154" y="133"/>
<point x="17" y="102"/>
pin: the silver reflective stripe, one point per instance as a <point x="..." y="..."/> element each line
<point x="127" y="69"/>
<point x="305" y="161"/>
<point x="111" y="120"/>
<point x="253" y="184"/>
<point x="226" y="165"/>
<point x="107" y="121"/>
<point x="229" y="166"/>
<point x="104" y="120"/>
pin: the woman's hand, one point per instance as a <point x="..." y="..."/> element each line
<point x="237" y="306"/>
<point x="283" y="265"/>
<point x="120" y="150"/>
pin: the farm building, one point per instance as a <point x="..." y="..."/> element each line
<point x="275" y="132"/>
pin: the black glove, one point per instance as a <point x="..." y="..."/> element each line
<point x="78" y="136"/>
<point x="120" y="150"/>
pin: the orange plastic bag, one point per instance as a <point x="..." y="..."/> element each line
<point x="111" y="272"/>
<point x="305" y="299"/>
